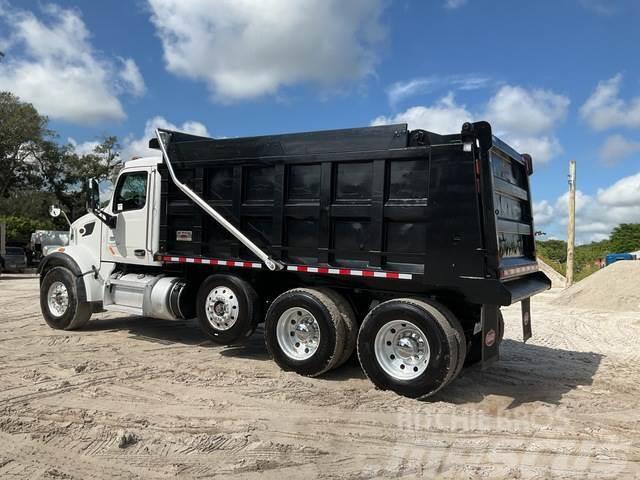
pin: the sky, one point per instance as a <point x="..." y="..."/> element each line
<point x="559" y="79"/>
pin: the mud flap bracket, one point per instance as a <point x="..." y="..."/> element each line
<point x="526" y="319"/>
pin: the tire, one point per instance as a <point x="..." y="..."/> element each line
<point x="314" y="349"/>
<point x="474" y="354"/>
<point x="350" y="324"/>
<point x="227" y="308"/>
<point x="65" y="311"/>
<point x="412" y="347"/>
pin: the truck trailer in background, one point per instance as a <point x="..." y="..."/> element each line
<point x="401" y="245"/>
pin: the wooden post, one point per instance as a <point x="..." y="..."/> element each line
<point x="571" y="228"/>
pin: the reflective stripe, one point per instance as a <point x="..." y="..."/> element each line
<point x="291" y="268"/>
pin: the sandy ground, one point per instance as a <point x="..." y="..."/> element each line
<point x="132" y="397"/>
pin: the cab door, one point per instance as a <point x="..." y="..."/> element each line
<point x="128" y="241"/>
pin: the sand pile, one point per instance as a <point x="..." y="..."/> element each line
<point x="557" y="279"/>
<point x="616" y="287"/>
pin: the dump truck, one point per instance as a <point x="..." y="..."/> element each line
<point x="397" y="245"/>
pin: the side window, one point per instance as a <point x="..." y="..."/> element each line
<point x="131" y="192"/>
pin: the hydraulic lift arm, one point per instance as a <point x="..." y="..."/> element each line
<point x="269" y="262"/>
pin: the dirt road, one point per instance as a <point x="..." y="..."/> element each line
<point x="133" y="397"/>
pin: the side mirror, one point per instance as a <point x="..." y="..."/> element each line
<point x="93" y="195"/>
<point x="54" y="211"/>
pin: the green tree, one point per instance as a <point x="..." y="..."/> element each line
<point x="22" y="129"/>
<point x="555" y="250"/>
<point x="625" y="238"/>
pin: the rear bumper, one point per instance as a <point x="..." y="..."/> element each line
<point x="504" y="292"/>
<point x="524" y="287"/>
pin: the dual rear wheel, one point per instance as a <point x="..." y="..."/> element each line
<point x="414" y="347"/>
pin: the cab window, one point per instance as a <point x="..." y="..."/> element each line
<point x="131" y="192"/>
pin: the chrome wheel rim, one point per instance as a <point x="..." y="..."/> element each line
<point x="222" y="308"/>
<point x="402" y="350"/>
<point x="58" y="299"/>
<point x="298" y="333"/>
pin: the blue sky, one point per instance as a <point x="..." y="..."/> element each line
<point x="558" y="79"/>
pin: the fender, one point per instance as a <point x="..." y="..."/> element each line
<point x="82" y="265"/>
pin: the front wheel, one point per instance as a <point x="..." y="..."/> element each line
<point x="59" y="302"/>
<point x="227" y="308"/>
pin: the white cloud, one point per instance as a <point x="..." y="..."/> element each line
<point x="131" y="77"/>
<point x="605" y="109"/>
<point x="616" y="148"/>
<point x="246" y="49"/>
<point x="83" y="148"/>
<point x="454" y="3"/>
<point x="446" y="116"/>
<point x="58" y="71"/>
<point x="623" y="193"/>
<point x="524" y="118"/>
<point x="597" y="215"/>
<point x="139" y="147"/>
<point x="402" y="90"/>
<point x="600" y="7"/>
<point x="542" y="213"/>
<point x="527" y="112"/>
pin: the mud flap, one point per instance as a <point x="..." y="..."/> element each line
<point x="490" y="343"/>
<point x="526" y="319"/>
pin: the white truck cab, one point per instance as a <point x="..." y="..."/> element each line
<point x="124" y="233"/>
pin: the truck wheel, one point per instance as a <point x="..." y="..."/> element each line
<point x="305" y="332"/>
<point x="350" y="323"/>
<point x="59" y="301"/>
<point x="410" y="346"/>
<point x="474" y="354"/>
<point x="227" y="308"/>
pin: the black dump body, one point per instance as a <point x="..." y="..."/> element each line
<point x="447" y="213"/>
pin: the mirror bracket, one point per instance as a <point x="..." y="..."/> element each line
<point x="109" y="220"/>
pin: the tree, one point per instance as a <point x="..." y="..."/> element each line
<point x="63" y="172"/>
<point x="625" y="238"/>
<point x="555" y="250"/>
<point x="22" y="129"/>
<point x="104" y="162"/>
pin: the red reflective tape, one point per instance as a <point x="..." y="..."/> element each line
<point x="344" y="271"/>
<point x="392" y="275"/>
<point x="367" y="273"/>
<point x="323" y="270"/>
<point x="198" y="260"/>
<point x="247" y="264"/>
<point x="182" y="259"/>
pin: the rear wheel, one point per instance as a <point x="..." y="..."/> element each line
<point x="410" y="346"/>
<point x="350" y="324"/>
<point x="304" y="331"/>
<point x="227" y="308"/>
<point x="59" y="302"/>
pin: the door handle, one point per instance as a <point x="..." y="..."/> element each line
<point x="139" y="252"/>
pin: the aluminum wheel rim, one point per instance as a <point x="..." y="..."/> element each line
<point x="298" y="333"/>
<point x="58" y="299"/>
<point x="402" y="350"/>
<point x="222" y="307"/>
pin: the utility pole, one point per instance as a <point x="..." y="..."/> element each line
<point x="571" y="229"/>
